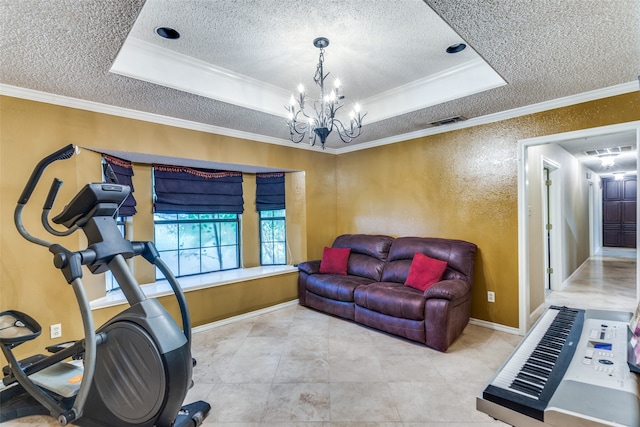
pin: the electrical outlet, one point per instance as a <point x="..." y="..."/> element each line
<point x="56" y="330"/>
<point x="491" y="296"/>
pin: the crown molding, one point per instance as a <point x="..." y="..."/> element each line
<point x="33" y="95"/>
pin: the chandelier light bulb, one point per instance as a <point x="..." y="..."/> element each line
<point x="292" y="100"/>
<point x="300" y="88"/>
<point x="336" y="84"/>
<point x="356" y="108"/>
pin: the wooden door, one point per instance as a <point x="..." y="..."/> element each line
<point x="619" y="200"/>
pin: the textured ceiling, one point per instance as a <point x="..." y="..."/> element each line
<point x="544" y="50"/>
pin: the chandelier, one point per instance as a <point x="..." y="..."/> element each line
<point x="319" y="123"/>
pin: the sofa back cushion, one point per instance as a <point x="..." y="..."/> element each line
<point x="368" y="253"/>
<point x="459" y="255"/>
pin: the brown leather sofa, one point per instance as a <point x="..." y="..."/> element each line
<point x="373" y="292"/>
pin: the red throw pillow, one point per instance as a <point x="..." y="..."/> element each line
<point x="425" y="271"/>
<point x="334" y="260"/>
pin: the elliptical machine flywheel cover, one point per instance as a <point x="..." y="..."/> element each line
<point x="130" y="376"/>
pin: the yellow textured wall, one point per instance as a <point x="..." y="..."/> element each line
<point x="459" y="185"/>
<point x="31" y="130"/>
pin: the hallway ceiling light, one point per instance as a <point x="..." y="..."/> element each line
<point x="608" y="160"/>
<point x="319" y="123"/>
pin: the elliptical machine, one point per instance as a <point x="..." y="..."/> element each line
<point x="137" y="367"/>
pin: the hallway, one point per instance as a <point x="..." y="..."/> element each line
<point x="605" y="281"/>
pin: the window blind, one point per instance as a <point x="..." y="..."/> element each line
<point x="191" y="190"/>
<point x="270" y="191"/>
<point x="123" y="171"/>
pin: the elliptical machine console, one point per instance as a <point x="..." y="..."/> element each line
<point x="137" y="367"/>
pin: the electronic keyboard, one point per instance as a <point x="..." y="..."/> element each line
<point x="569" y="370"/>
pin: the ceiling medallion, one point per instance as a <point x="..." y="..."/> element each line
<point x="321" y="121"/>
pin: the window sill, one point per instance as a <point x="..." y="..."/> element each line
<point x="194" y="283"/>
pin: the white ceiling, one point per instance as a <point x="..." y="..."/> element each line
<point x="543" y="50"/>
<point x="625" y="162"/>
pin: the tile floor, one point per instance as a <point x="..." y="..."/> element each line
<point x="295" y="367"/>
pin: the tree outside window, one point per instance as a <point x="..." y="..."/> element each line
<point x="197" y="243"/>
<point x="273" y="241"/>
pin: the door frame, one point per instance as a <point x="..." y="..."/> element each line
<point x="595" y="216"/>
<point x="523" y="209"/>
<point x="554" y="243"/>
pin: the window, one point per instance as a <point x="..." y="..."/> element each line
<point x="197" y="243"/>
<point x="111" y="282"/>
<point x="273" y="237"/>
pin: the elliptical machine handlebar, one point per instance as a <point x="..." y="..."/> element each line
<point x="62" y="154"/>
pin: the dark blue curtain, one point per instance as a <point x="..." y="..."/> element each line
<point x="191" y="190"/>
<point x="123" y="171"/>
<point x="270" y="191"/>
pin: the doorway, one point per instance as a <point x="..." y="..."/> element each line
<point x="524" y="251"/>
<point x="619" y="222"/>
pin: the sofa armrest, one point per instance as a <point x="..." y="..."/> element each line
<point x="310" y="267"/>
<point x="448" y="289"/>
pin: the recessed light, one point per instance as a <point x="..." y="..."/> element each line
<point x="167" y="33"/>
<point x="455" y="48"/>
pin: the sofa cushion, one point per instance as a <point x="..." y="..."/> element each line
<point x="391" y="298"/>
<point x="335" y="286"/>
<point x="368" y="253"/>
<point x="458" y="254"/>
<point x="334" y="260"/>
<point x="425" y="271"/>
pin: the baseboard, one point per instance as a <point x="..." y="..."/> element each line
<point x="243" y="316"/>
<point x="576" y="271"/>
<point x="494" y="326"/>
<point x="246" y="316"/>
<point x="536" y="314"/>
